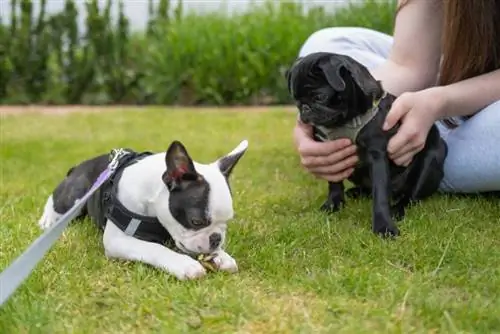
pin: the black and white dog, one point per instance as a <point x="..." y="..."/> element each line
<point x="153" y="199"/>
<point x="340" y="98"/>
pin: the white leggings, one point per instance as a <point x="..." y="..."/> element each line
<point x="473" y="162"/>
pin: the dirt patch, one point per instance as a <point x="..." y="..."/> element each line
<point x="58" y="110"/>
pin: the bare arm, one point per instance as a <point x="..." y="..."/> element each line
<point x="414" y="60"/>
<point x="469" y="96"/>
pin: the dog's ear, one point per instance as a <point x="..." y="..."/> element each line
<point x="288" y="77"/>
<point x="180" y="167"/>
<point x="332" y="69"/>
<point x="288" y="74"/>
<point x="363" y="78"/>
<point x="227" y="162"/>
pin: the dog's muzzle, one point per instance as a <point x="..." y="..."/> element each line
<point x="305" y="113"/>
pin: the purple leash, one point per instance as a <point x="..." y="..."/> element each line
<point x="12" y="277"/>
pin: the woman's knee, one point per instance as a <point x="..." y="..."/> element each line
<point x="367" y="46"/>
<point x="473" y="161"/>
<point x="484" y="126"/>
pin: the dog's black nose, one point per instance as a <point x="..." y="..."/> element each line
<point x="214" y="240"/>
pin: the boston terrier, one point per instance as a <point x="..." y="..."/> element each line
<point x="340" y="98"/>
<point x="161" y="209"/>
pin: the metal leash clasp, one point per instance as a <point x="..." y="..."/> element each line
<point x="115" y="156"/>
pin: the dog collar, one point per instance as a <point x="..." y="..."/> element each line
<point x="352" y="128"/>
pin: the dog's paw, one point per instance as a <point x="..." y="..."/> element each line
<point x="386" y="230"/>
<point x="186" y="268"/>
<point x="397" y="212"/>
<point x="357" y="192"/>
<point x="225" y="262"/>
<point x="332" y="205"/>
<point x="49" y="215"/>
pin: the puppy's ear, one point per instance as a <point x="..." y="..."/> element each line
<point x="332" y="70"/>
<point x="227" y="162"/>
<point x="288" y="74"/>
<point x="180" y="167"/>
<point x="363" y="78"/>
<point x="288" y="77"/>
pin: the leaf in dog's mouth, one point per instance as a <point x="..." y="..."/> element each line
<point x="206" y="260"/>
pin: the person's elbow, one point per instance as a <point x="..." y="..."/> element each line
<point x="421" y="73"/>
<point x="398" y="78"/>
<point x="414" y="60"/>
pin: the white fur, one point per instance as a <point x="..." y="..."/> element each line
<point x="141" y="191"/>
<point x="49" y="216"/>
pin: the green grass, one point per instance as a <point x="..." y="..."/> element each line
<point x="300" y="270"/>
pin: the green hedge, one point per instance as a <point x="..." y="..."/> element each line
<point x="181" y="58"/>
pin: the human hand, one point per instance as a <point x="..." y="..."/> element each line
<point x="332" y="160"/>
<point x="417" y="112"/>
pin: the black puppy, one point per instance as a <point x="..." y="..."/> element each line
<point x="340" y="98"/>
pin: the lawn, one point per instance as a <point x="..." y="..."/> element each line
<point x="301" y="271"/>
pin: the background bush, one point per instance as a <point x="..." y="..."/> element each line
<point x="181" y="58"/>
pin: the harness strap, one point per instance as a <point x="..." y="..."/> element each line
<point x="352" y="128"/>
<point x="147" y="228"/>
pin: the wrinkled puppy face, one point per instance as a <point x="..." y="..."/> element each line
<point x="331" y="89"/>
<point x="198" y="204"/>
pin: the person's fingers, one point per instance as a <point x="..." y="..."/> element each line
<point x="336" y="177"/>
<point x="302" y="133"/>
<point x="406" y="159"/>
<point x="399" y="108"/>
<point x="307" y="146"/>
<point x="311" y="148"/>
<point x="307" y="128"/>
<point x="338" y="167"/>
<point x="406" y="139"/>
<point x="328" y="160"/>
<point x="410" y="146"/>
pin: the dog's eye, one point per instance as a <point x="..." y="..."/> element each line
<point x="197" y="222"/>
<point x="338" y="98"/>
<point x="320" y="98"/>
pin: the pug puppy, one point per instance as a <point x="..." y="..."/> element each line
<point x="339" y="97"/>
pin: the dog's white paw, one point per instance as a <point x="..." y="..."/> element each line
<point x="225" y="262"/>
<point x="49" y="215"/>
<point x="186" y="268"/>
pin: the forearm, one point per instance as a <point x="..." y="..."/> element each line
<point x="414" y="59"/>
<point x="466" y="97"/>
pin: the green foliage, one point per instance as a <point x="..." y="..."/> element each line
<point x="180" y="58"/>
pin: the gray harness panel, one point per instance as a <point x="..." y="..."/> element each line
<point x="352" y="128"/>
<point x="349" y="130"/>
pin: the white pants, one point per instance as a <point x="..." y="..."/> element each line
<point x="473" y="162"/>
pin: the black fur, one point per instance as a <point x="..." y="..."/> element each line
<point x="330" y="90"/>
<point x="189" y="191"/>
<point x="77" y="183"/>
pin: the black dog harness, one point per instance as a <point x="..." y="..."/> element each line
<point x="352" y="128"/>
<point x="105" y="205"/>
